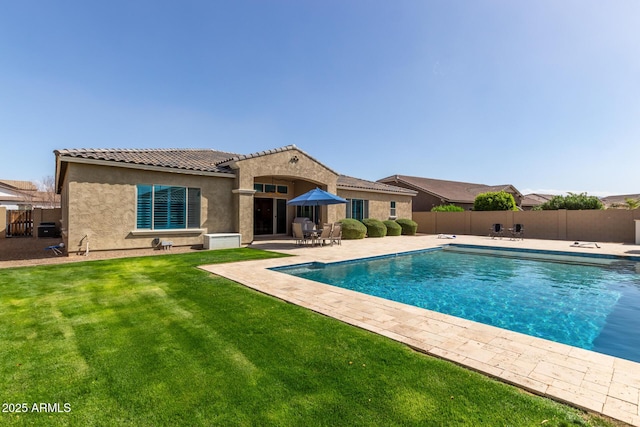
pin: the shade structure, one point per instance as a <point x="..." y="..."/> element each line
<point x="316" y="197"/>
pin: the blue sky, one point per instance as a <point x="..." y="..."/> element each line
<point x="544" y="94"/>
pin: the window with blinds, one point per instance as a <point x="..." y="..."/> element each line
<point x="357" y="209"/>
<point x="164" y="207"/>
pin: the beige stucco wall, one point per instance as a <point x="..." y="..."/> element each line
<point x="292" y="166"/>
<point x="379" y="203"/>
<point x="103" y="207"/>
<point x="3" y="222"/>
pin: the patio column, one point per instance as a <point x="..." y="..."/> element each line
<point x="245" y="214"/>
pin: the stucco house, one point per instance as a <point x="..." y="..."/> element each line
<point x="619" y="201"/>
<point x="16" y="194"/>
<point x="436" y="192"/>
<point x="24" y="195"/>
<point x="530" y="201"/>
<point x="132" y="198"/>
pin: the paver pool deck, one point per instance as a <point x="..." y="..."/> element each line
<point x="581" y="378"/>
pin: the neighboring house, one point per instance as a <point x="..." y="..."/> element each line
<point x="132" y="198"/>
<point x="436" y="192"/>
<point x="15" y="194"/>
<point x="530" y="201"/>
<point x="618" y="202"/>
<point x="24" y="195"/>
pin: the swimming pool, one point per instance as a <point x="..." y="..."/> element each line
<point x="592" y="304"/>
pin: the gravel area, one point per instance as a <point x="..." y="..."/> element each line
<point x="30" y="251"/>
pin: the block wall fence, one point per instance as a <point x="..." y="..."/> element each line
<point x="609" y="225"/>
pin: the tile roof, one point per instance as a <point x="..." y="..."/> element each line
<point x="236" y="157"/>
<point x="618" y="200"/>
<point x="30" y="197"/>
<point x="19" y="185"/>
<point x="204" y="160"/>
<point x="452" y="191"/>
<point x="350" y="183"/>
<point x="178" y="158"/>
<point x="207" y="160"/>
<point x="535" y="199"/>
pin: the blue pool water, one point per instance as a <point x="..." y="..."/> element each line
<point x="595" y="307"/>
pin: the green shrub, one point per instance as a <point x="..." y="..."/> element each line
<point x="572" y="201"/>
<point x="352" y="229"/>
<point x="375" y="227"/>
<point x="631" y="203"/>
<point x="393" y="229"/>
<point x="447" y="208"/>
<point x="495" y="201"/>
<point x="409" y="227"/>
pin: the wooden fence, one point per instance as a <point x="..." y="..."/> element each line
<point x="19" y="223"/>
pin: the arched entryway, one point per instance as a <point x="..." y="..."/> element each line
<point x="266" y="181"/>
<point x="271" y="214"/>
<point x="270" y="211"/>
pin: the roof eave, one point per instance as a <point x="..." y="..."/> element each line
<point x="376" y="190"/>
<point x="113" y="163"/>
<point x="418" y="189"/>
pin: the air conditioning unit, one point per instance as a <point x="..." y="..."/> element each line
<point x="221" y="240"/>
<point x="47" y="229"/>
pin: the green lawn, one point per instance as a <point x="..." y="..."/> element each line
<point x="155" y="341"/>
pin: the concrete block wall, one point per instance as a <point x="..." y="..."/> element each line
<point x="610" y="225"/>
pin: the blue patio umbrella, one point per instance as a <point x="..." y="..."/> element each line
<point x="316" y="197"/>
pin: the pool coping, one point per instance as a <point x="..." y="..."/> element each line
<point x="581" y="378"/>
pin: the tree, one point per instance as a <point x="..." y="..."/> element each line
<point x="495" y="201"/>
<point x="632" y="203"/>
<point x="573" y="201"/>
<point x="47" y="188"/>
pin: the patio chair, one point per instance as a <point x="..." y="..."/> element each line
<point x="517" y="231"/>
<point x="585" y="245"/>
<point x="497" y="230"/>
<point x="336" y="234"/>
<point x="298" y="234"/>
<point x="324" y="235"/>
<point x="56" y="249"/>
<point x="307" y="225"/>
